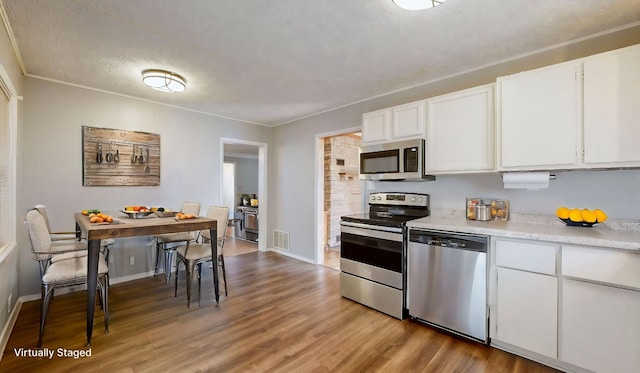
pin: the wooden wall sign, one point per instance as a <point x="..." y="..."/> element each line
<point x="119" y="157"/>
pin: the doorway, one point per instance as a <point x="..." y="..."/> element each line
<point x="229" y="187"/>
<point x="247" y="159"/>
<point x="339" y="190"/>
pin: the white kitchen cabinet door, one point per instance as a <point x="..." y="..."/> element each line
<point x="600" y="327"/>
<point x="408" y="121"/>
<point x="539" y="119"/>
<point x="527" y="311"/>
<point x="461" y="131"/>
<point x="376" y="126"/>
<point x="612" y="107"/>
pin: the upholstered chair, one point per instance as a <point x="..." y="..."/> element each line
<point x="57" y="271"/>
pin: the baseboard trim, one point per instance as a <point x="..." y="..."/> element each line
<point x="136" y="276"/>
<point x="289" y="254"/>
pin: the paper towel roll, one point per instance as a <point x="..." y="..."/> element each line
<point x="526" y="180"/>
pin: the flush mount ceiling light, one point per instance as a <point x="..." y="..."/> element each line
<point x="164" y="80"/>
<point x="417" y="4"/>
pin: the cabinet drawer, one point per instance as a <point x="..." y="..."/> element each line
<point x="528" y="256"/>
<point x="608" y="266"/>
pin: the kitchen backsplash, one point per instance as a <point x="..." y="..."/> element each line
<point x="612" y="191"/>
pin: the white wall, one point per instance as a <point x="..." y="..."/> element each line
<point x="9" y="283"/>
<point x="53" y="115"/>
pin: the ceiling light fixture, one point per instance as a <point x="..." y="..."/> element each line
<point x="164" y="80"/>
<point x="417" y="4"/>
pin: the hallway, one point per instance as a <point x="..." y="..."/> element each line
<point x="235" y="246"/>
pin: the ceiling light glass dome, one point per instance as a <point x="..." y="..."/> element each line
<point x="417" y="4"/>
<point x="164" y="80"/>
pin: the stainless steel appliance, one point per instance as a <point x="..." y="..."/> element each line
<point x="238" y="225"/>
<point x="394" y="161"/>
<point x="447" y="281"/>
<point x="250" y="222"/>
<point x="372" y="250"/>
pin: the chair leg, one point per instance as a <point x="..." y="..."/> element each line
<point x="106" y="253"/>
<point x="190" y="268"/>
<point x="100" y="297"/>
<point x="105" y="297"/>
<point x="224" y="274"/>
<point x="199" y="270"/>
<point x="157" y="257"/>
<point x="176" y="279"/>
<point x="44" y="309"/>
<point x="168" y="263"/>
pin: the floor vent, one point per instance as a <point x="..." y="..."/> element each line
<point x="281" y="240"/>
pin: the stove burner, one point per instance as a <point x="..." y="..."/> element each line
<point x="392" y="209"/>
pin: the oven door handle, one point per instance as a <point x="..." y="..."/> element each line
<point x="384" y="233"/>
<point x="370" y="226"/>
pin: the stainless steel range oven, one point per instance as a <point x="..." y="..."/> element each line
<point x="372" y="252"/>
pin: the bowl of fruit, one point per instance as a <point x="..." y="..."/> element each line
<point x="137" y="212"/>
<point x="161" y="212"/>
<point x="580" y="217"/>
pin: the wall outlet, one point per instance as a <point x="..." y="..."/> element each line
<point x="9" y="303"/>
<point x="132" y="260"/>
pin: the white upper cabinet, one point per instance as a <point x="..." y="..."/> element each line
<point x="376" y="126"/>
<point x="408" y="121"/>
<point x="397" y="123"/>
<point x="578" y="114"/>
<point x="539" y="123"/>
<point x="461" y="131"/>
<point x="612" y="108"/>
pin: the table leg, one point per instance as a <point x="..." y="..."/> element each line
<point x="214" y="257"/>
<point x="92" y="284"/>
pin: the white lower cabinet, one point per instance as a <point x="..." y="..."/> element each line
<point x="527" y="311"/>
<point x="600" y="327"/>
<point x="571" y="306"/>
<point x="526" y="295"/>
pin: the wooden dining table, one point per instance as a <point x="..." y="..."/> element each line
<point x="124" y="226"/>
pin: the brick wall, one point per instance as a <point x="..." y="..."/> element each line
<point x="342" y="187"/>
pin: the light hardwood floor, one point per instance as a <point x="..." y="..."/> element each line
<point x="281" y="315"/>
<point x="236" y="246"/>
<point x="332" y="258"/>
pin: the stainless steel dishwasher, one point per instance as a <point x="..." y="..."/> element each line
<point x="447" y="281"/>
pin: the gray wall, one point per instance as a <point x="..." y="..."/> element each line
<point x="52" y="117"/>
<point x="246" y="176"/>
<point x="292" y="161"/>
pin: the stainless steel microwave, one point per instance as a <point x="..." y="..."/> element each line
<point x="403" y="160"/>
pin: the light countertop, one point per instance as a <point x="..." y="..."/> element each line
<point x="537" y="229"/>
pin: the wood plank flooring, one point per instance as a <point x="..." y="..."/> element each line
<point x="282" y="315"/>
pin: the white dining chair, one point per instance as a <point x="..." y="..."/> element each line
<point x="65" y="238"/>
<point x="57" y="271"/>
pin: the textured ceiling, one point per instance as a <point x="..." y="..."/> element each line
<point x="274" y="61"/>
